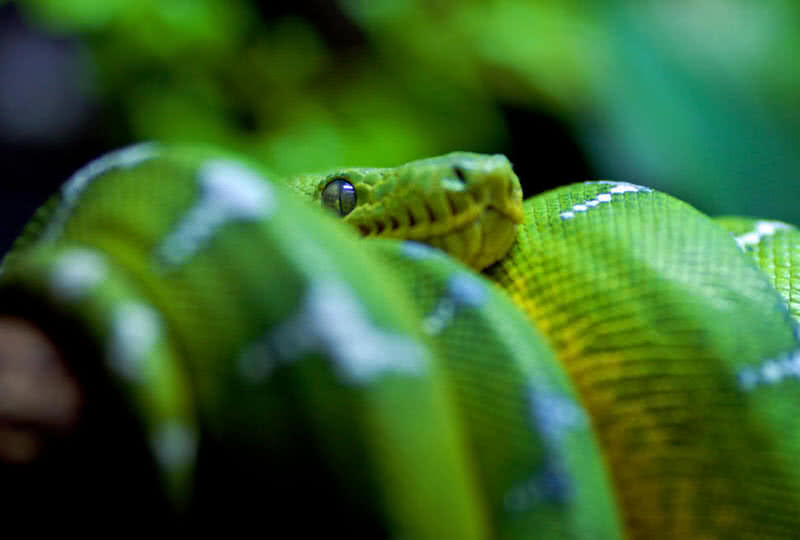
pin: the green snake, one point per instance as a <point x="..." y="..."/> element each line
<point x="623" y="366"/>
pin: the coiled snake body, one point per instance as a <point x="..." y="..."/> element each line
<point x="624" y="366"/>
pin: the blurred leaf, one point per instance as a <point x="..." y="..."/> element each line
<point x="692" y="128"/>
<point x="76" y="15"/>
<point x="698" y="98"/>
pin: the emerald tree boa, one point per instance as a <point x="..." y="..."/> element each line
<point x="604" y="362"/>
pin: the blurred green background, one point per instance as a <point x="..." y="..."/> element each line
<point x="697" y="98"/>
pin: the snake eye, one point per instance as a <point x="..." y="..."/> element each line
<point x="340" y="196"/>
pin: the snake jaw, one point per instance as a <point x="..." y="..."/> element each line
<point x="467" y="204"/>
<point x="470" y="210"/>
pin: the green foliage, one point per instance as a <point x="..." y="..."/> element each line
<point x="697" y="98"/>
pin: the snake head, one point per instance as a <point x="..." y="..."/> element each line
<point x="466" y="204"/>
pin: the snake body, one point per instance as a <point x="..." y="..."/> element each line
<point x="624" y="366"/>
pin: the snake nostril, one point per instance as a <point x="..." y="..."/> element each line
<point x="460" y="173"/>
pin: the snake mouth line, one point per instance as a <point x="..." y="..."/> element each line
<point x="436" y="216"/>
<point x="477" y="226"/>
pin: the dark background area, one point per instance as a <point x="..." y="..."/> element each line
<point x="698" y="99"/>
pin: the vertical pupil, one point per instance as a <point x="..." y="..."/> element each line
<point x="340" y="196"/>
<point x="347" y="197"/>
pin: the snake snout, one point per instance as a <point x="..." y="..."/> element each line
<point x="489" y="177"/>
<point x="488" y="199"/>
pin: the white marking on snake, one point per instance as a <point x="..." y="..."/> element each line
<point x="762" y="229"/>
<point x="550" y="483"/>
<point x="229" y="192"/>
<point x="174" y="445"/>
<point x="419" y="251"/>
<point x="463" y="290"/>
<point x="617" y="189"/>
<point x="76" y="273"/>
<point x="74" y="188"/>
<point x="332" y="322"/>
<point x="135" y="329"/>
<point x="771" y="372"/>
<point x="555" y="415"/>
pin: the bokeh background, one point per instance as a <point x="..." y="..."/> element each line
<point x="697" y="98"/>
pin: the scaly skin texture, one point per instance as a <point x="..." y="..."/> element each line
<point x="665" y="327"/>
<point x="389" y="389"/>
<point x="625" y="370"/>
<point x="775" y="248"/>
<point x="466" y="204"/>
<point x="672" y="338"/>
